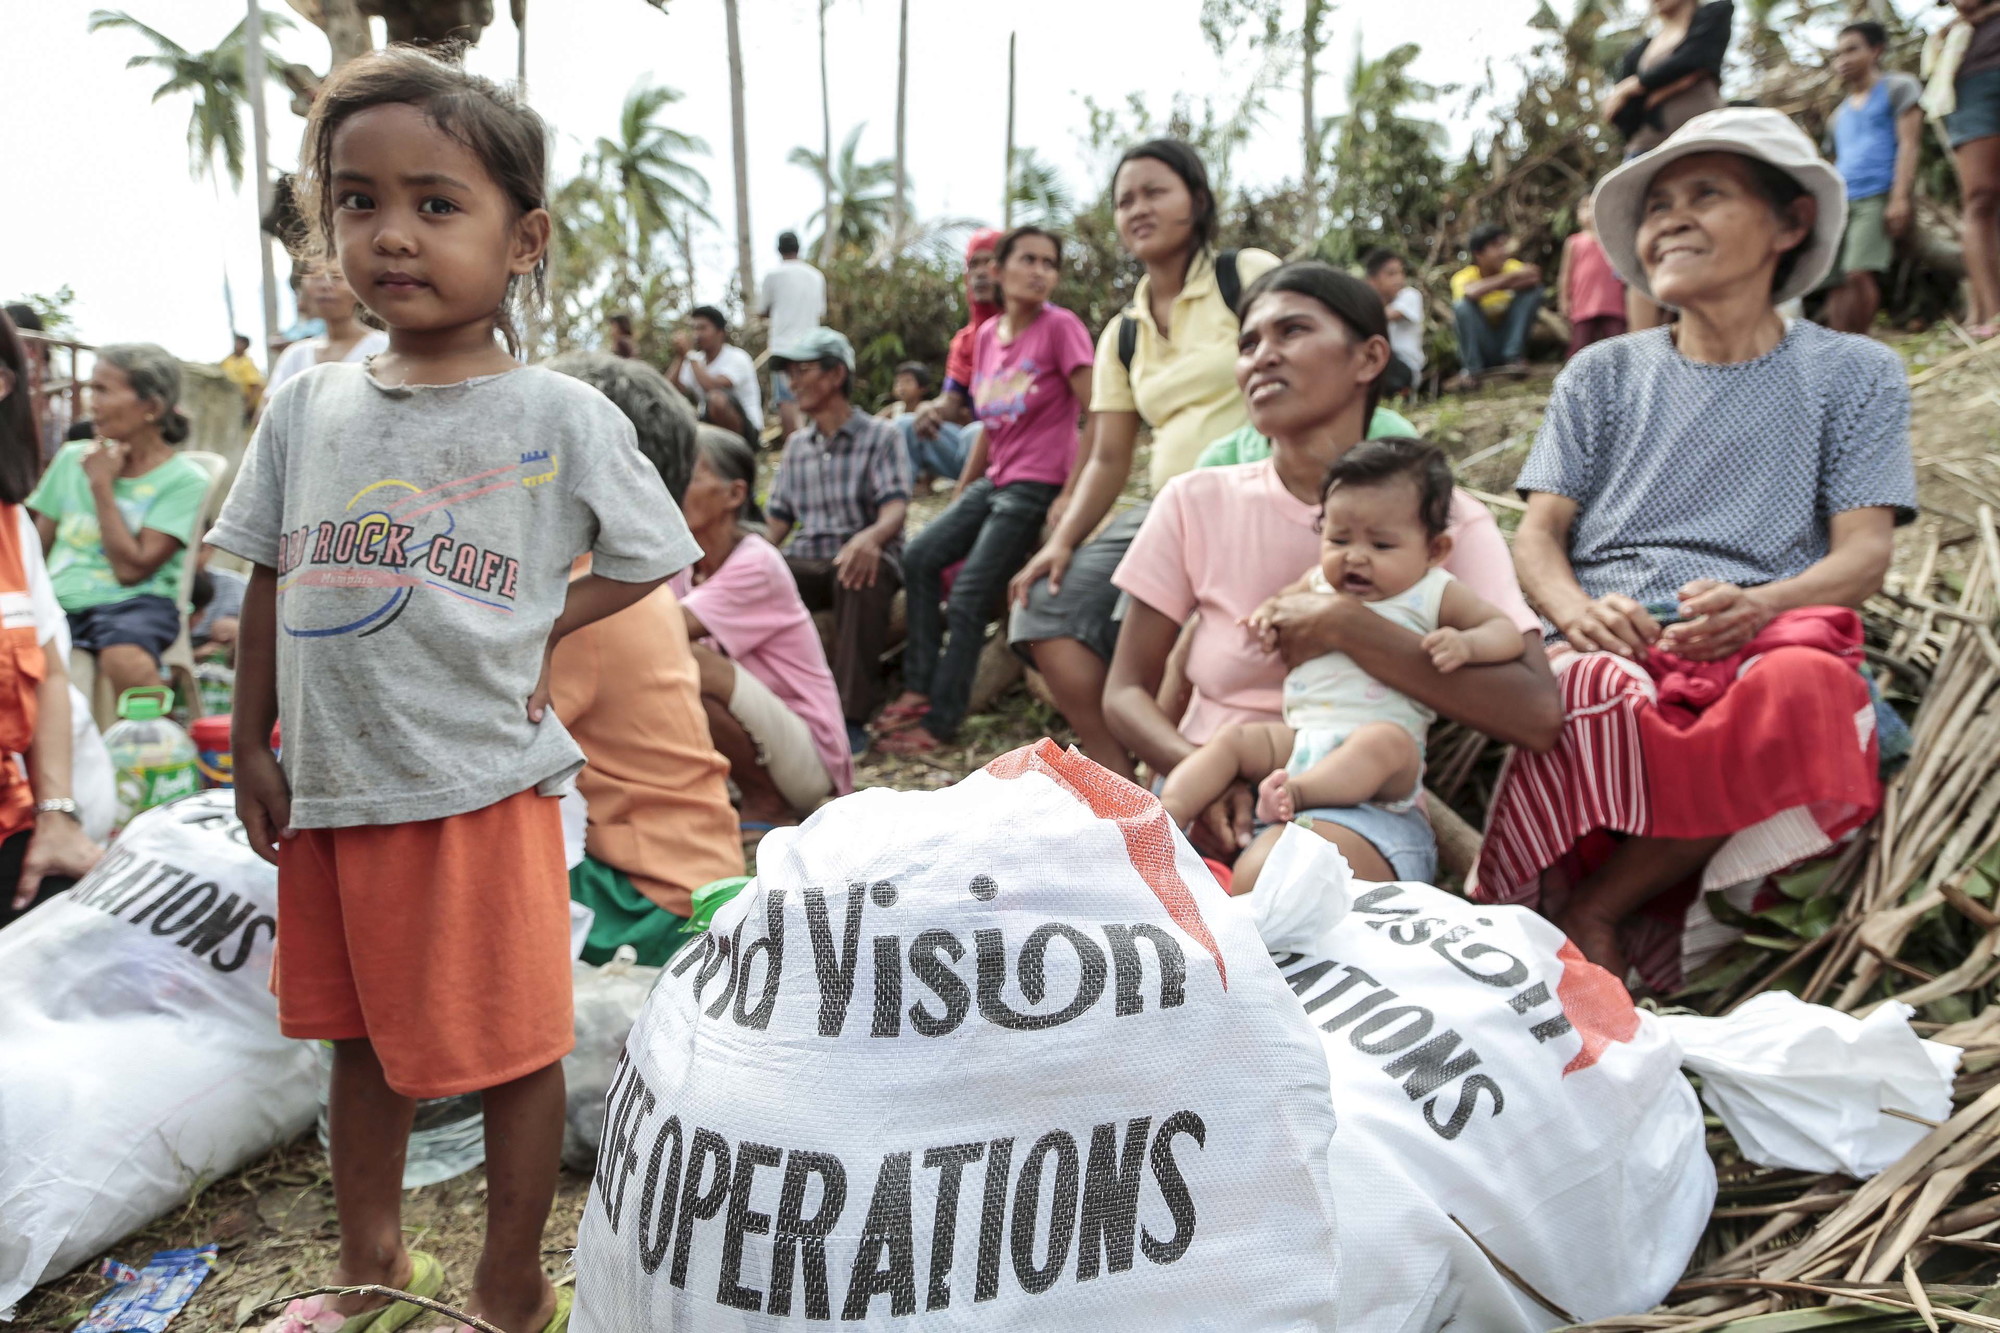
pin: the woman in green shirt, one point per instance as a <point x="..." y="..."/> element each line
<point x="116" y="515"/>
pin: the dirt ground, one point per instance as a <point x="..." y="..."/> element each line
<point x="274" y="1220"/>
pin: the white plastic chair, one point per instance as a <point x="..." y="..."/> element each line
<point x="178" y="660"/>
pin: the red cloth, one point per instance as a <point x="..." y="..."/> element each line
<point x="958" y="361"/>
<point x="1676" y="749"/>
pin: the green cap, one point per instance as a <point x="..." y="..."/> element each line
<point x="146" y="703"/>
<point x="817" y="345"/>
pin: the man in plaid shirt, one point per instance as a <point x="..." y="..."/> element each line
<point x="841" y="493"/>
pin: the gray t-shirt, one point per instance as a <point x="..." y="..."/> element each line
<point x="1683" y="470"/>
<point x="423" y="539"/>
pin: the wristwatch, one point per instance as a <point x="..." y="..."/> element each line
<point x="58" y="805"/>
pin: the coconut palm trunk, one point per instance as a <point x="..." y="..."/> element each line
<point x="1309" y="52"/>
<point x="260" y="140"/>
<point x="826" y="245"/>
<point x="902" y="107"/>
<point x="746" y="268"/>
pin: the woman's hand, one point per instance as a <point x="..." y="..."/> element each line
<point x="263" y="802"/>
<point x="1718" y="619"/>
<point x="1051" y="563"/>
<point x="103" y="461"/>
<point x="1624" y="91"/>
<point x="1222" y="831"/>
<point x="1613" y="623"/>
<point x="58" y="847"/>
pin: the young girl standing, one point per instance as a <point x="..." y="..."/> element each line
<point x="412" y="522"/>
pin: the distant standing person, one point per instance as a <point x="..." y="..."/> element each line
<point x="717" y="375"/>
<point x="325" y="293"/>
<point x="1875" y="134"/>
<point x="841" y="494"/>
<point x="241" y="371"/>
<point x="1495" y="298"/>
<point x="1591" y="294"/>
<point x="1664" y="81"/>
<point x="1389" y="275"/>
<point x="1970" y="100"/>
<point x="794" y="301"/>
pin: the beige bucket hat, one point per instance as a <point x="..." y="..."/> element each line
<point x="1751" y="131"/>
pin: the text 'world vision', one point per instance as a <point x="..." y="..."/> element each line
<point x="664" y="1186"/>
<point x="932" y="981"/>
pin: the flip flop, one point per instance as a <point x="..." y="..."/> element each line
<point x="426" y="1279"/>
<point x="911" y="742"/>
<point x="897" y="718"/>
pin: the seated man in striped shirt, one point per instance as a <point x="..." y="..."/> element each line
<point x="841" y="493"/>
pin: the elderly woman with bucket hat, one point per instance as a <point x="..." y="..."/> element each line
<point x="1707" y="503"/>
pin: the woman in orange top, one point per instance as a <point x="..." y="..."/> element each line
<point x="42" y="845"/>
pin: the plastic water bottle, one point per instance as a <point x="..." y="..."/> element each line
<point x="447" y="1140"/>
<point x="153" y="758"/>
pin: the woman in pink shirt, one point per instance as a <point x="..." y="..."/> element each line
<point x="773" y="709"/>
<point x="1220" y="541"/>
<point x="1030" y="379"/>
<point x="1591" y="295"/>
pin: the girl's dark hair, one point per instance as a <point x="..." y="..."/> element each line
<point x="918" y="371"/>
<point x="1019" y="234"/>
<point x="494" y="125"/>
<point x="1180" y="159"/>
<point x="155" y="376"/>
<point x="1349" y="299"/>
<point x="730" y="457"/>
<point x="20" y="430"/>
<point x="1780" y="189"/>
<point x="1379" y="462"/>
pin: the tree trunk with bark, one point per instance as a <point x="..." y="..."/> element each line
<point x="739" y="152"/>
<point x="902" y="106"/>
<point x="828" y="222"/>
<point x="1309" y="73"/>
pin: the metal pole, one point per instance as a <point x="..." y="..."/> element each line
<point x="254" y="72"/>
<point x="902" y="103"/>
<point x="1007" y="197"/>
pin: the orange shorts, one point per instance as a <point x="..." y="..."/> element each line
<point x="444" y="942"/>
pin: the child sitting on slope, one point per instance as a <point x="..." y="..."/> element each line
<point x="1348" y="739"/>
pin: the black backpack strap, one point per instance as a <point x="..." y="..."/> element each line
<point x="1128" y="342"/>
<point x="1227" y="281"/>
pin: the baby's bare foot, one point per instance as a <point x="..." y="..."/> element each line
<point x="1274" y="798"/>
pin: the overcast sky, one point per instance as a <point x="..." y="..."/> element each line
<point x="100" y="196"/>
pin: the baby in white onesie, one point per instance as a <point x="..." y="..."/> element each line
<point x="1348" y="739"/>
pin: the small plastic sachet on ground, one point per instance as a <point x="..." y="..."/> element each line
<point x="140" y="1052"/>
<point x="150" y="1297"/>
<point x="1512" y="1080"/>
<point x="993" y="1057"/>
<point x="1809" y="1088"/>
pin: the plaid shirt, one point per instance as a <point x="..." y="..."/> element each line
<point x="830" y="489"/>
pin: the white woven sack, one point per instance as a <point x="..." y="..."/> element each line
<point x="140" y="1051"/>
<point x="1511" y="1078"/>
<point x="994" y="1057"/>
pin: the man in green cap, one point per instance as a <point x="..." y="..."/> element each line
<point x="841" y="493"/>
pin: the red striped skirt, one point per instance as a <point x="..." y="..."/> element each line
<point x="1783" y="764"/>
